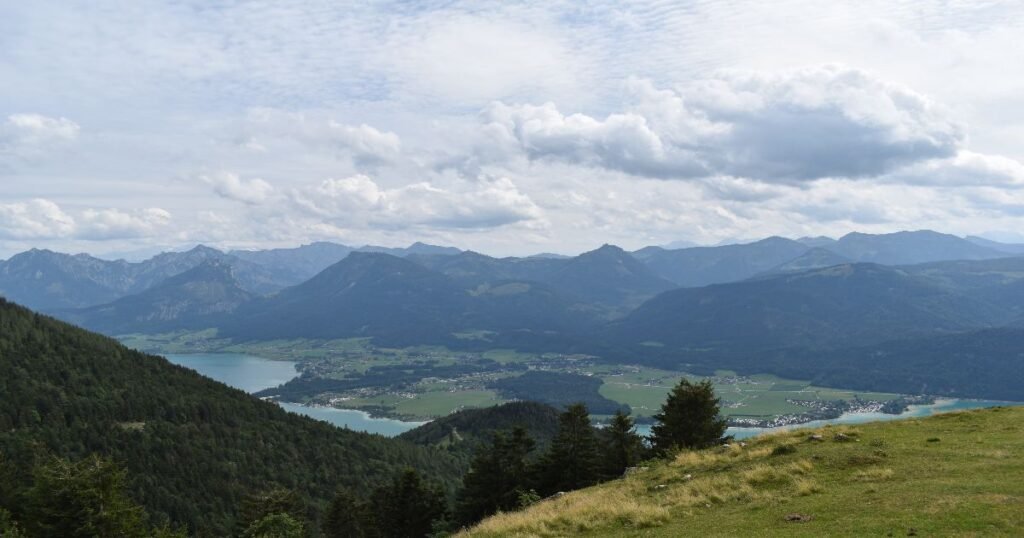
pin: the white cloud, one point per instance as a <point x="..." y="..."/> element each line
<point x="792" y="126"/>
<point x="358" y="201"/>
<point x="29" y="137"/>
<point x="114" y="223"/>
<point x="42" y="219"/>
<point x="36" y="128"/>
<point x="34" y="219"/>
<point x="231" y="186"/>
<point x="365" y="144"/>
<point x="965" y="169"/>
<point x="294" y="92"/>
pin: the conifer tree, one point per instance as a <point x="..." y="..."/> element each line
<point x="572" y="461"/>
<point x="497" y="477"/>
<point x="277" y="525"/>
<point x="257" y="506"/>
<point x="689" y="418"/>
<point x="408" y="507"/>
<point x="85" y="498"/>
<point x="623" y="447"/>
<point x="345" y="517"/>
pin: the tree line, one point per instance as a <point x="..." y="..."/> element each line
<point x="90" y="497"/>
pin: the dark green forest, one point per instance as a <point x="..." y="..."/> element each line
<point x="558" y="389"/>
<point x="193" y="448"/>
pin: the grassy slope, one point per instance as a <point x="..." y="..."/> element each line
<point x="955" y="474"/>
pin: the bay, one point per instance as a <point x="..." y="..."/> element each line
<point x="252" y="374"/>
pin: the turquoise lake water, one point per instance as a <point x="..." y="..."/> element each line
<point x="251" y="374"/>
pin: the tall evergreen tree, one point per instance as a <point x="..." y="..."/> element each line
<point x="278" y="525"/>
<point x="408" y="507"/>
<point x="623" y="447"/>
<point x="345" y="518"/>
<point x="83" y="499"/>
<point x="498" y="475"/>
<point x="689" y="418"/>
<point x="256" y="507"/>
<point x="572" y="461"/>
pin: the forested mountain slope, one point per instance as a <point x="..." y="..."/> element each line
<point x="193" y="447"/>
<point x="196" y="299"/>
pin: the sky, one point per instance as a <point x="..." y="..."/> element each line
<point x="510" y="128"/>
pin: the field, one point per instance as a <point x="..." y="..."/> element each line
<point x="941" y="476"/>
<point x="644" y="389"/>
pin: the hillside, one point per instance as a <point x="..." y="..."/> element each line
<point x="194" y="299"/>
<point x="939" y="476"/>
<point x="903" y="248"/>
<point x="700" y="266"/>
<point x="815" y="258"/>
<point x="609" y="276"/>
<point x="851" y="304"/>
<point x="49" y="281"/>
<point x="73" y="393"/>
<point x="465" y="430"/>
<point x="365" y="294"/>
<point x="298" y="263"/>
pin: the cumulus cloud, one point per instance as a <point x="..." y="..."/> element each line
<point x="367" y="145"/>
<point x="791" y="126"/>
<point x="46" y="220"/>
<point x="965" y="169"/>
<point x="114" y="223"/>
<point x="28" y="137"/>
<point x="359" y="201"/>
<point x="34" y="219"/>
<point x="229" y="185"/>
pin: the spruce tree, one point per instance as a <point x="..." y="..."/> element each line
<point x="623" y="447"/>
<point x="572" y="461"/>
<point x="345" y="518"/>
<point x="86" y="498"/>
<point x="408" y="507"/>
<point x="277" y="525"/>
<point x="497" y="477"/>
<point x="689" y="418"/>
<point x="257" y="506"/>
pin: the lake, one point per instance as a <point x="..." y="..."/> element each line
<point x="251" y="374"/>
<point x="914" y="411"/>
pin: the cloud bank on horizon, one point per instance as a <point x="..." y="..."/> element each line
<point x="510" y="129"/>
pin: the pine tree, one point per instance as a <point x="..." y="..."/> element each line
<point x="689" y="418"/>
<point x="278" y="525"/>
<point x="497" y="477"/>
<point x="345" y="517"/>
<point x="257" y="506"/>
<point x="85" y="498"/>
<point x="623" y="447"/>
<point x="408" y="507"/>
<point x="572" y="461"/>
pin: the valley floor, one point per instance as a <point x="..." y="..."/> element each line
<point x="469" y="378"/>
<point x="957" y="474"/>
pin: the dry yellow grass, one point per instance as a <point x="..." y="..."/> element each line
<point x="874" y="475"/>
<point x="941" y="476"/>
<point x="650" y="498"/>
<point x="576" y="513"/>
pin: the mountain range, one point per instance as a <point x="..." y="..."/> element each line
<point x="763" y="306"/>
